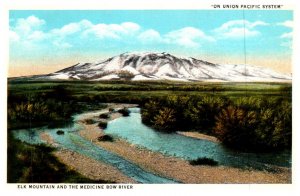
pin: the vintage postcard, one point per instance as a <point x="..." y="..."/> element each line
<point x="111" y="98"/>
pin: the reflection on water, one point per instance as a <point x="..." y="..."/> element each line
<point x="132" y="129"/>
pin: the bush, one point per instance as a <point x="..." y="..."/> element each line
<point x="165" y="119"/>
<point x="102" y="125"/>
<point x="149" y="110"/>
<point x="104" y="116"/>
<point x="60" y="132"/>
<point x="204" y="161"/>
<point x="201" y="112"/>
<point x="124" y="111"/>
<point x="105" y="138"/>
<point x="234" y="127"/>
<point x="111" y="109"/>
<point x="89" y="121"/>
<point x="265" y="128"/>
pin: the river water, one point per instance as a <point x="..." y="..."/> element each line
<point x="72" y="141"/>
<point x="134" y="131"/>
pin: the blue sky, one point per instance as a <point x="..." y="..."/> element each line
<point x="57" y="39"/>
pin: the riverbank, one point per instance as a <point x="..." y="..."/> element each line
<point x="86" y="166"/>
<point x="176" y="168"/>
<point x="197" y="135"/>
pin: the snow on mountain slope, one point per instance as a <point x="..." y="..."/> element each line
<point x="163" y="66"/>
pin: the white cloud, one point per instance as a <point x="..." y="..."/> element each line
<point x="61" y="45"/>
<point x="236" y="29"/>
<point x="149" y="36"/>
<point x="287" y="35"/>
<point x="72" y="28"/>
<point x="36" y="36"/>
<point x="131" y="27"/>
<point x="287" y="23"/>
<point x="13" y="36"/>
<point x="29" y="31"/>
<point x="286" y="40"/>
<point x="113" y="31"/>
<point x="26" y="25"/>
<point x="67" y="29"/>
<point x="187" y="37"/>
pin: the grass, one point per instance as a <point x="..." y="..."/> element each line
<point x="35" y="164"/>
<point x="148" y="89"/>
<point x="204" y="161"/>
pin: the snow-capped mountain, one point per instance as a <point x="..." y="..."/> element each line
<point x="163" y="66"/>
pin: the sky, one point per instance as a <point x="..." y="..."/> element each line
<point x="44" y="41"/>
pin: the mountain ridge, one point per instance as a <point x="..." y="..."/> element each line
<point x="164" y="66"/>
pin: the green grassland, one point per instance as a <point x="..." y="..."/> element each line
<point x="129" y="89"/>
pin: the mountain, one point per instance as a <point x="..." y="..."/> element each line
<point x="164" y="66"/>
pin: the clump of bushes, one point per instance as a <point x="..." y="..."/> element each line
<point x="234" y="127"/>
<point x="124" y="111"/>
<point x="89" y="121"/>
<point x="104" y="116"/>
<point x="102" y="125"/>
<point x="204" y="161"/>
<point x="263" y="126"/>
<point x="165" y="119"/>
<point x="60" y="132"/>
<point x="105" y="138"/>
<point x="245" y="123"/>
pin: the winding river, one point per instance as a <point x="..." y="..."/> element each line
<point x="131" y="129"/>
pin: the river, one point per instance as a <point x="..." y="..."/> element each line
<point x="134" y="131"/>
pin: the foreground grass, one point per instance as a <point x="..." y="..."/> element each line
<point x="35" y="164"/>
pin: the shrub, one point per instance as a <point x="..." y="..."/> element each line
<point x="234" y="127"/>
<point x="89" y="121"/>
<point x="111" y="109"/>
<point x="204" y="161"/>
<point x="105" y="138"/>
<point x="60" y="132"/>
<point x="102" y="125"/>
<point x="201" y="113"/>
<point x="149" y="110"/>
<point x="264" y="129"/>
<point x="165" y="119"/>
<point x="124" y="111"/>
<point x="104" y="116"/>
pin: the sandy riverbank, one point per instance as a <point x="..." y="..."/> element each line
<point x="180" y="169"/>
<point x="86" y="166"/>
<point x="199" y="136"/>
